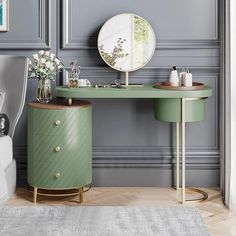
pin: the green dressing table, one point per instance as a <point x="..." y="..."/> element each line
<point x="170" y="106"/>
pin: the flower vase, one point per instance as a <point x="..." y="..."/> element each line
<point x="44" y="91"/>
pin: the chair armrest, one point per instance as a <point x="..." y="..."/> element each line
<point x="6" y="151"/>
<point x="10" y="173"/>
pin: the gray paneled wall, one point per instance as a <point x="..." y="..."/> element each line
<point x="130" y="147"/>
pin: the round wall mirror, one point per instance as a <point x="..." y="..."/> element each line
<point x="126" y="42"/>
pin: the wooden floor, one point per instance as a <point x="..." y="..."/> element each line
<point x="220" y="221"/>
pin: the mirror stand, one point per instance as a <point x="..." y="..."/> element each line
<point x="127" y="78"/>
<point x="127" y="84"/>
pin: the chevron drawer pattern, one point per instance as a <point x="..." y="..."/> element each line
<point x="59" y="145"/>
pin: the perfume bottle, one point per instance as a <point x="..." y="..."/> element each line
<point x="174" y="78"/>
<point x="182" y="75"/>
<point x="74" y="74"/>
<point x="187" y="79"/>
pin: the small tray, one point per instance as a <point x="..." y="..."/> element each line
<point x="166" y="85"/>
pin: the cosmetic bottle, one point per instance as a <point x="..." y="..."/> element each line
<point x="174" y="78"/>
<point x="182" y="75"/>
<point x="188" y="80"/>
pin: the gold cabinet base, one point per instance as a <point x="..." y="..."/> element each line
<point x="57" y="193"/>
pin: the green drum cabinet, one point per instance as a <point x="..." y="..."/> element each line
<point x="59" y="148"/>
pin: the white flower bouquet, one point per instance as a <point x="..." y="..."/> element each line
<point x="44" y="66"/>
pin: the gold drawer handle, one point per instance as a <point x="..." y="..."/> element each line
<point x="57" y="122"/>
<point x="57" y="149"/>
<point x="57" y="175"/>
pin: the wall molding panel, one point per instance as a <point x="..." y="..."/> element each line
<point x="67" y="38"/>
<point x="69" y="42"/>
<point x="43" y="39"/>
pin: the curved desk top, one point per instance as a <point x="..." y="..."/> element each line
<point x="146" y="91"/>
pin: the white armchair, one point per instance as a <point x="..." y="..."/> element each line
<point x="13" y="81"/>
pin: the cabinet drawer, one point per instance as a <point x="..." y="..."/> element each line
<point x="73" y="161"/>
<point x="61" y="148"/>
<point x="47" y="122"/>
<point x="60" y="177"/>
<point x="58" y="122"/>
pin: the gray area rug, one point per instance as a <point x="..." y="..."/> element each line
<point x="101" y="221"/>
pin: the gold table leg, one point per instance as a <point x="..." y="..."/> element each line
<point x="177" y="155"/>
<point x="69" y="101"/>
<point x="81" y="194"/>
<point x="183" y="149"/>
<point x="35" y="195"/>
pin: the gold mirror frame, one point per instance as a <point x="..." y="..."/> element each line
<point x="119" y="41"/>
